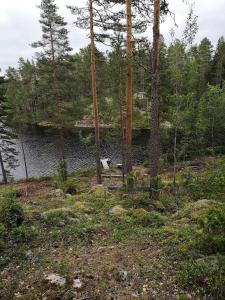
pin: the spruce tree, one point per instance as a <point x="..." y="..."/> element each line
<point x="8" y="160"/>
<point x="218" y="64"/>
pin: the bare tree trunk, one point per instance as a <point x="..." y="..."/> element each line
<point x="212" y="135"/>
<point x="155" y="135"/>
<point x="129" y="89"/>
<point x="3" y="169"/>
<point x="24" y="159"/>
<point x="61" y="127"/>
<point x="120" y="94"/>
<point x="94" y="94"/>
<point x="175" y="152"/>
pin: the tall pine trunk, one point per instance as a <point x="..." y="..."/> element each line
<point x="129" y="88"/>
<point x="155" y="135"/>
<point x="94" y="94"/>
<point x="120" y="96"/>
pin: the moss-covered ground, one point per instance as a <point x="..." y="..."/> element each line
<point x="117" y="244"/>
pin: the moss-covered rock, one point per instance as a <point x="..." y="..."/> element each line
<point x="99" y="191"/>
<point x="192" y="211"/>
<point x="117" y="210"/>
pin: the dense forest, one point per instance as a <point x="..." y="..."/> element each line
<point x="152" y="229"/>
<point x="192" y="95"/>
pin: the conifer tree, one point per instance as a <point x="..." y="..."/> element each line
<point x="155" y="135"/>
<point x="85" y="18"/>
<point x="8" y="153"/>
<point x="54" y="61"/>
<point x="218" y="65"/>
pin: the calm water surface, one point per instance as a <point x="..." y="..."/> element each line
<point x="42" y="152"/>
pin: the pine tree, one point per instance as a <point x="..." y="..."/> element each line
<point x="8" y="160"/>
<point x="54" y="61"/>
<point x="155" y="135"/>
<point x="85" y="18"/>
<point x="94" y="92"/>
<point x="129" y="87"/>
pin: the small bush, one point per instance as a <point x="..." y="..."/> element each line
<point x="206" y="275"/>
<point x="62" y="170"/>
<point x="70" y="186"/>
<point x="24" y="234"/>
<point x="2" y="233"/>
<point x="147" y="219"/>
<point x="2" y="230"/>
<point x="210" y="185"/>
<point x="11" y="213"/>
<point x="212" y="231"/>
<point x="137" y="201"/>
<point x="146" y="164"/>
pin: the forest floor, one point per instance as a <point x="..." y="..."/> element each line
<point x="100" y="244"/>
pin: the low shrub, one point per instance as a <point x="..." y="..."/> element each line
<point x="147" y="219"/>
<point x="212" y="231"/>
<point x="11" y="213"/>
<point x="207" y="275"/>
<point x="2" y="230"/>
<point x="24" y="234"/>
<point x="70" y="186"/>
<point x="137" y="201"/>
<point x="210" y="185"/>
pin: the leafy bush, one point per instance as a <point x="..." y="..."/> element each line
<point x="210" y="185"/>
<point x="11" y="213"/>
<point x="212" y="231"/>
<point x="147" y="219"/>
<point x="137" y="201"/>
<point x="24" y="234"/>
<point x="70" y="186"/>
<point x="207" y="275"/>
<point x="2" y="233"/>
<point x="2" y="230"/>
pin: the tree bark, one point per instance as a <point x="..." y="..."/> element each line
<point x="94" y="94"/>
<point x="120" y="96"/>
<point x="24" y="159"/>
<point x="129" y="89"/>
<point x="155" y="135"/>
<point x="3" y="169"/>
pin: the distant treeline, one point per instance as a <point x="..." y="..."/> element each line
<point x="192" y="93"/>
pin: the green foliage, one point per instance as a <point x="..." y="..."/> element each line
<point x="147" y="219"/>
<point x="2" y="230"/>
<point x="130" y="181"/>
<point x="210" y="185"/>
<point x="211" y="231"/>
<point x="62" y="171"/>
<point x="8" y="153"/>
<point x="137" y="201"/>
<point x="61" y="216"/>
<point x="11" y="213"/>
<point x="23" y="234"/>
<point x="70" y="186"/>
<point x="207" y="275"/>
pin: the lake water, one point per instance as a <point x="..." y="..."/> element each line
<point x="42" y="151"/>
